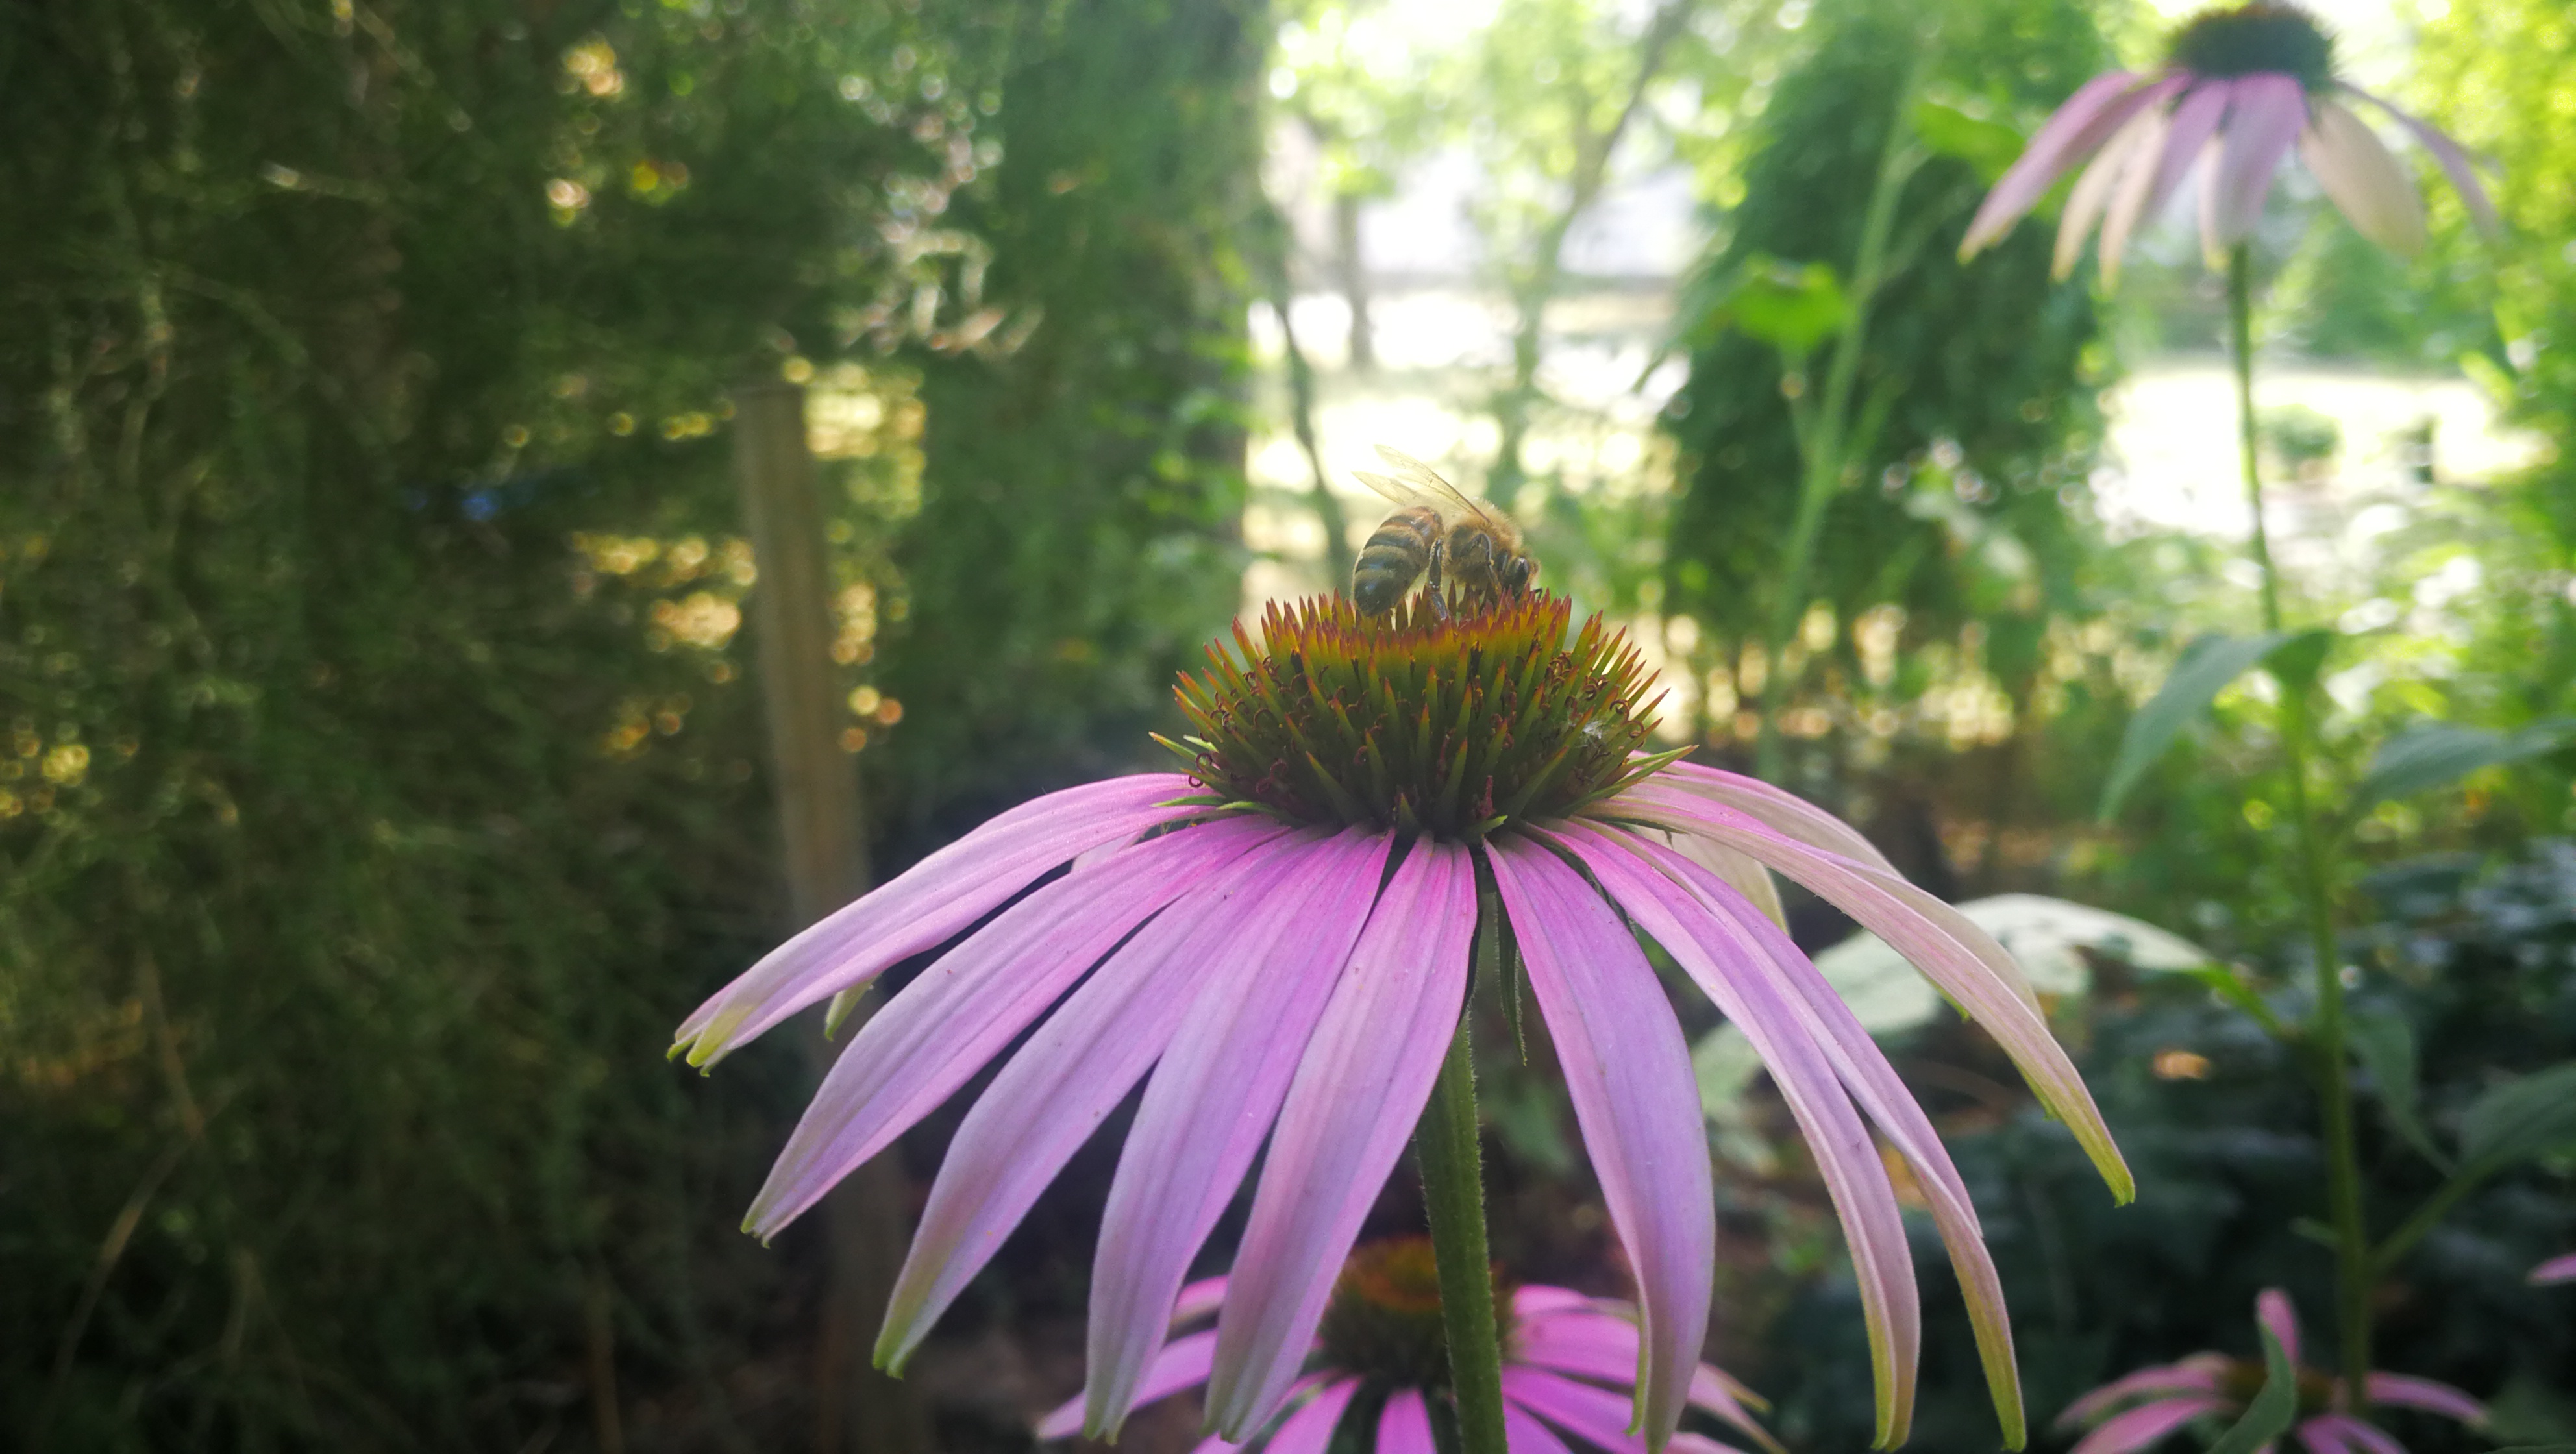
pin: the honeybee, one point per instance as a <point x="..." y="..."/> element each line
<point x="1441" y="533"/>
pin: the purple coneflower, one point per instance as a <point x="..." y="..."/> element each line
<point x="1282" y="938"/>
<point x="2556" y="1269"/>
<point x="1569" y="1366"/>
<point x="2171" y="1395"/>
<point x="2242" y="86"/>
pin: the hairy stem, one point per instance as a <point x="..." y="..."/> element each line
<point x="1453" y="1194"/>
<point x="2334" y="1081"/>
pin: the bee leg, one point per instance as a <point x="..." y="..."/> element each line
<point x="1438" y="588"/>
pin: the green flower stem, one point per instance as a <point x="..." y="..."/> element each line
<point x="2334" y="1081"/>
<point x="1453" y="1193"/>
<point x="1824" y="430"/>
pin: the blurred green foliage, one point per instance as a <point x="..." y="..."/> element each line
<point x="378" y="780"/>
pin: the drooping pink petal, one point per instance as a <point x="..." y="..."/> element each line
<point x="2454" y="161"/>
<point x="969" y="1005"/>
<point x="1523" y="1434"/>
<point x="2137" y="184"/>
<point x="2364" y="181"/>
<point x="2406" y="1391"/>
<point x="1965" y="962"/>
<point x="2272" y="1308"/>
<point x="1310" y="1429"/>
<point x="2163" y="1378"/>
<point x="2356" y="1434"/>
<point x="2196" y="118"/>
<point x="1863" y="1069"/>
<point x="2098" y="108"/>
<point x="2130" y="149"/>
<point x="1742" y="874"/>
<point x="1596" y="1345"/>
<point x="1777" y="809"/>
<point x="2317" y="1436"/>
<point x="2146" y="1424"/>
<point x="924" y="905"/>
<point x="2263" y="125"/>
<point x="2556" y="1269"/>
<point x="1075" y="1068"/>
<point x="1209" y="1106"/>
<point x="1198" y="1300"/>
<point x="1365" y="1078"/>
<point x="1734" y="977"/>
<point x="1595" y="1415"/>
<point x="1219" y="1444"/>
<point x="1628" y="1073"/>
<point x="1404" y="1425"/>
<point x="1532" y="1299"/>
<point x="1182" y="1363"/>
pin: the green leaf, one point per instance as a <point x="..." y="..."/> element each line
<point x="2385" y="1045"/>
<point x="2207" y="666"/>
<point x="1988" y="146"/>
<point x="2231" y="987"/>
<point x="2273" y="1410"/>
<point x="2521" y="1119"/>
<point x="2437" y="754"/>
<point x="1791" y="306"/>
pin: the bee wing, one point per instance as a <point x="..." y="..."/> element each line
<point x="1416" y="483"/>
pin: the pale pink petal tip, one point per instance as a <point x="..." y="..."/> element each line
<point x="2097" y="109"/>
<point x="2453" y="158"/>
<point x="2406" y="1391"/>
<point x="2272" y="1308"/>
<point x="2147" y="1424"/>
<point x="2556" y="1269"/>
<point x="2363" y="179"/>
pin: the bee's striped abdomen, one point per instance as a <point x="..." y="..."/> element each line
<point x="1394" y="558"/>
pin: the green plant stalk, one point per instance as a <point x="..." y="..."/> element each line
<point x="1453" y="1195"/>
<point x="2427" y="1217"/>
<point x="1820" y="442"/>
<point x="2326" y="1031"/>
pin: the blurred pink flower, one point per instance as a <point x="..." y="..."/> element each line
<point x="2243" y="85"/>
<point x="2556" y="1269"/>
<point x="1569" y="1366"/>
<point x="1285" y="948"/>
<point x="2166" y="1397"/>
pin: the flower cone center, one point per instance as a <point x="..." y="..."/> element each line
<point x="2243" y="1378"/>
<point x="2241" y="40"/>
<point x="1384" y="1318"/>
<point x="1414" y="722"/>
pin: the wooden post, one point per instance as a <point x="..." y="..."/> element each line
<point x="855" y="1406"/>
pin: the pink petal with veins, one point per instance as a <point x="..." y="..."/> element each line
<point x="1209" y="1106"/>
<point x="1628" y="1073"/>
<point x="926" y="904"/>
<point x="1366" y="1075"/>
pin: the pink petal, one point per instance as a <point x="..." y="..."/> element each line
<point x="1076" y="1067"/>
<point x="2098" y="108"/>
<point x="2319" y="1437"/>
<point x="2137" y="183"/>
<point x="1404" y="1427"/>
<point x="2196" y="118"/>
<point x="1366" y="1075"/>
<point x="2164" y="1378"/>
<point x="1595" y="1345"/>
<point x="1964" y="961"/>
<point x="1628" y="1073"/>
<point x="2355" y="1434"/>
<point x="2264" y="124"/>
<point x="1310" y="1429"/>
<point x="2409" y="1392"/>
<point x="1783" y="812"/>
<point x="1532" y="1299"/>
<point x="1210" y="1104"/>
<point x="1733" y="976"/>
<point x="1862" y="1067"/>
<point x="1182" y="1363"/>
<point x="1594" y="1415"/>
<point x="2454" y="161"/>
<point x="2556" y="1269"/>
<point x="2365" y="182"/>
<point x="2272" y="1308"/>
<point x="2129" y="150"/>
<point x="926" y="904"/>
<point x="969" y="1005"/>
<point x="1198" y="1300"/>
<point x="1525" y="1435"/>
<point x="2145" y="1424"/>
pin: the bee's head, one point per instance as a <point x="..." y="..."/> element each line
<point x="1519" y="573"/>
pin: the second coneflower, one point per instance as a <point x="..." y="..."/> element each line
<point x="1278" y="944"/>
<point x="2244" y="86"/>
